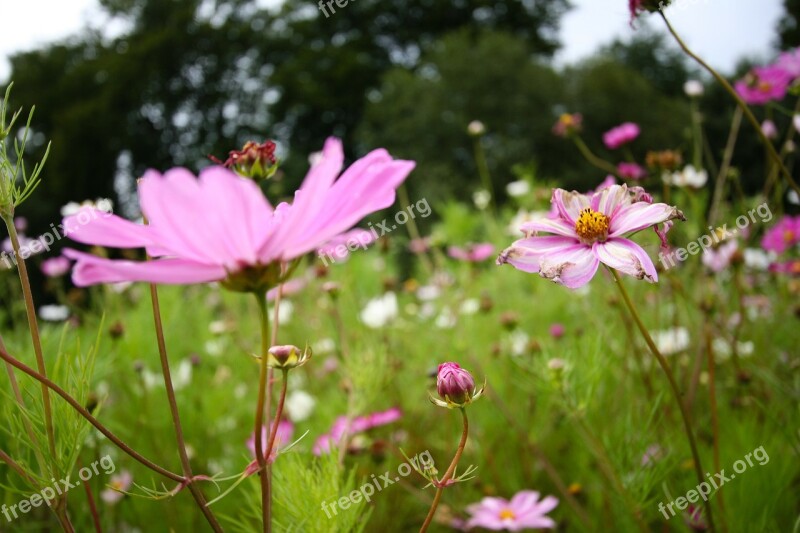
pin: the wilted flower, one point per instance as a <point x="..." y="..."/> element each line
<point x="621" y="135"/>
<point x="221" y="228"/>
<point x="455" y="386"/>
<point x="666" y="160"/>
<point x="688" y="177"/>
<point x="55" y="267"/>
<point x="524" y="511"/>
<point x="287" y="356"/>
<point x="763" y="85"/>
<point x="568" y="124"/>
<point x="693" y="88"/>
<point x="256" y="161"/>
<point x="589" y="230"/>
<point x="631" y="171"/>
<point x="473" y="253"/>
<point x="119" y="483"/>
<point x="380" y="311"/>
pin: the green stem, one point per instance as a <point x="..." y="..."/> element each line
<point x="722" y="177"/>
<point x="261" y="298"/>
<point x="483" y="171"/>
<point x="447" y="475"/>
<point x="33" y="325"/>
<point x="673" y="386"/>
<point x="197" y="494"/>
<point x="602" y="164"/>
<point x="741" y="103"/>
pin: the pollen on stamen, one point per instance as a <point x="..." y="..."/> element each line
<point x="592" y="226"/>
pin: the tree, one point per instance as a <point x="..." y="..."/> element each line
<point x="789" y="25"/>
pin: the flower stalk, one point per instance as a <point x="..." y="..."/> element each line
<point x="264" y="372"/>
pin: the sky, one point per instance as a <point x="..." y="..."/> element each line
<point x="721" y="31"/>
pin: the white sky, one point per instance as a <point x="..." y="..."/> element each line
<point x="721" y="31"/>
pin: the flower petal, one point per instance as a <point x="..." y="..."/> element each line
<point x="573" y="266"/>
<point x="640" y="215"/>
<point x="569" y="204"/>
<point x="92" y="270"/>
<point x="527" y="254"/>
<point x="627" y="257"/>
<point x="92" y="226"/>
<point x="549" y="225"/>
<point x="608" y="200"/>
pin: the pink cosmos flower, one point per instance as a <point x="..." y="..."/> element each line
<point x="339" y="248"/>
<point x="474" y="253"/>
<point x="557" y="330"/>
<point x="357" y="425"/>
<point x="293" y="286"/>
<point x="419" y="246"/>
<point x="631" y="171"/>
<point x="605" y="184"/>
<point x="55" y="267"/>
<point x="568" y="124"/>
<point x="790" y="62"/>
<point x="622" y="134"/>
<point x="524" y="511"/>
<point x="590" y="230"/>
<point x="763" y="85"/>
<point x="791" y="267"/>
<point x="783" y="235"/>
<point x="221" y="228"/>
<point x="21" y="224"/>
<point x="769" y="129"/>
<point x="283" y="437"/>
<point x="717" y="260"/>
<point x="120" y="482"/>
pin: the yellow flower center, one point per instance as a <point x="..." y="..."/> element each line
<point x="764" y="87"/>
<point x="591" y="226"/>
<point x="507" y="514"/>
<point x="566" y="119"/>
<point x="788" y="235"/>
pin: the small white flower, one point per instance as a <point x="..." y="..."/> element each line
<point x="688" y="177"/>
<point x="519" y="342"/>
<point x="70" y="209"/>
<point x="671" y="341"/>
<point x="182" y="376"/>
<point x="518" y="188"/>
<point x="300" y="405"/>
<point x="104" y="204"/>
<point x="792" y="197"/>
<point x="446" y="319"/>
<point x="693" y="88"/>
<point x="796" y="122"/>
<point x="481" y="199"/>
<point x="470" y="307"/>
<point x="54" y="313"/>
<point x="758" y="259"/>
<point x="284" y="312"/>
<point x="521" y="218"/>
<point x="323" y="346"/>
<point x="380" y="311"/>
<point x="428" y="292"/>
<point x="215" y="347"/>
<point x="476" y="128"/>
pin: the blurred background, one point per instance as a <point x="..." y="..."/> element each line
<point x="124" y="85"/>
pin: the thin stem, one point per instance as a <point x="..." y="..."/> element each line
<point x="33" y="325"/>
<point x="483" y="171"/>
<point x="17" y="468"/>
<point x="602" y="164"/>
<point x="197" y="494"/>
<point x="448" y="474"/>
<point x="88" y="416"/>
<point x="92" y="506"/>
<point x="722" y="177"/>
<point x="278" y="413"/>
<point x="261" y="298"/>
<point x="673" y="386"/>
<point x="751" y="118"/>
<point x="413" y="230"/>
<point x="712" y="397"/>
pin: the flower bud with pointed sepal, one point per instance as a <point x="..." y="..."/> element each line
<point x="456" y="387"/>
<point x="287" y="356"/>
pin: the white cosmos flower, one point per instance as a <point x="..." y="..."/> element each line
<point x="671" y="341"/>
<point x="688" y="177"/>
<point x="518" y="188"/>
<point x="758" y="259"/>
<point x="693" y="88"/>
<point x="300" y="405"/>
<point x="481" y="199"/>
<point x="380" y="311"/>
<point x="284" y="312"/>
<point x="470" y="306"/>
<point x="54" y="313"/>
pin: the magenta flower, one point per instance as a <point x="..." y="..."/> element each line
<point x="119" y="484"/>
<point x="783" y="235"/>
<point x="357" y="425"/>
<point x="221" y="228"/>
<point x="763" y="85"/>
<point x="590" y="230"/>
<point x="55" y="267"/>
<point x="524" y="511"/>
<point x="622" y="134"/>
<point x="557" y="330"/>
<point x="473" y="253"/>
<point x="631" y="171"/>
<point x="453" y="383"/>
<point x="791" y="267"/>
<point x="282" y="438"/>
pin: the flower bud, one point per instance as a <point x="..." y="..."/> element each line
<point x="288" y="356"/>
<point x="455" y="386"/>
<point x="255" y="161"/>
